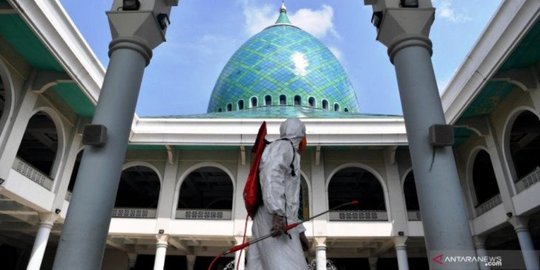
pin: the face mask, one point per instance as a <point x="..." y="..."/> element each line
<point x="302" y="145"/>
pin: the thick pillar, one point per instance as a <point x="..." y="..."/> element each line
<point x="480" y="246"/>
<point x="239" y="256"/>
<point x="161" y="251"/>
<point x="525" y="242"/>
<point x="405" y="32"/>
<point x="135" y="34"/>
<point x="191" y="261"/>
<point x="401" y="252"/>
<point x="132" y="260"/>
<point x="373" y="263"/>
<point x="320" y="252"/>
<point x="42" y="237"/>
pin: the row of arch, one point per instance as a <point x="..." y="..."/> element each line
<point x="44" y="138"/>
<point x="297" y="101"/>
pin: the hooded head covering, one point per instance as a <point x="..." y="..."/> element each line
<point x="293" y="129"/>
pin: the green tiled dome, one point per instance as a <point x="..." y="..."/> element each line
<point x="283" y="66"/>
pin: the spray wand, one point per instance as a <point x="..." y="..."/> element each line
<point x="289" y="227"/>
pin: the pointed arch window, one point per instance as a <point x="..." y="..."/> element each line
<point x="336" y="107"/>
<point x="229" y="107"/>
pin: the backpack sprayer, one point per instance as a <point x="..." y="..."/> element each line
<point x="289" y="226"/>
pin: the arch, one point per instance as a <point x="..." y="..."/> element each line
<point x="229" y="107"/>
<point x="49" y="139"/>
<point x="282" y="100"/>
<point x="375" y="176"/>
<point x="253" y="102"/>
<point x="483" y="177"/>
<point x="520" y="135"/>
<point x="194" y="168"/>
<point x="143" y="164"/>
<point x="240" y="104"/>
<point x="336" y="107"/>
<point x="409" y="192"/>
<point x="75" y="171"/>
<point x="7" y="95"/>
<point x="139" y="186"/>
<point x="297" y="100"/>
<point x="305" y="190"/>
<point x="324" y="104"/>
<point x="268" y="100"/>
<point x="346" y="110"/>
<point x="312" y="102"/>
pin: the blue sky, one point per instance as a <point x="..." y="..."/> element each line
<point x="204" y="34"/>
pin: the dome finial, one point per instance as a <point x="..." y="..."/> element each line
<point x="283" y="18"/>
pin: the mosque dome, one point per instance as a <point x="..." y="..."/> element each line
<point x="283" y="66"/>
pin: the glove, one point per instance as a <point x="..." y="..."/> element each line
<point x="279" y="226"/>
<point x="304" y="241"/>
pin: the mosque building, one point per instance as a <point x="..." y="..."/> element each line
<point x="183" y="176"/>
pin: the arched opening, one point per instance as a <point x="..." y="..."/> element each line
<point x="229" y="107"/>
<point x="139" y="188"/>
<point x="336" y="107"/>
<point x="3" y="101"/>
<point x="297" y="101"/>
<point x="355" y="183"/>
<point x="525" y="144"/>
<point x="74" y="174"/>
<point x="325" y="104"/>
<point x="346" y="110"/>
<point x="240" y="105"/>
<point x="206" y="193"/>
<point x="303" y="209"/>
<point x="267" y="100"/>
<point x="484" y="182"/>
<point x="311" y="101"/>
<point x="39" y="144"/>
<point x="411" y="197"/>
<point x="220" y="110"/>
<point x="282" y="100"/>
<point x="254" y="102"/>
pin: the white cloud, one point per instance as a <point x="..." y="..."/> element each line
<point x="316" y="22"/>
<point x="445" y="10"/>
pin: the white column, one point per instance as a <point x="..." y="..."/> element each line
<point x="161" y="251"/>
<point x="480" y="246"/>
<point x="239" y="256"/>
<point x="373" y="263"/>
<point x="132" y="260"/>
<point x="525" y="242"/>
<point x="42" y="237"/>
<point x="401" y="252"/>
<point x="191" y="261"/>
<point x="320" y="252"/>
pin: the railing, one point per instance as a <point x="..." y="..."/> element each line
<point x="414" y="215"/>
<point x="358" y="215"/>
<point x="32" y="173"/>
<point x="529" y="180"/>
<point x="489" y="204"/>
<point x="204" y="214"/>
<point x="133" y="213"/>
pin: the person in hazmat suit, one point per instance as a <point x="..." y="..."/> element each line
<point x="279" y="174"/>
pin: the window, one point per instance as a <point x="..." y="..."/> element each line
<point x="311" y="102"/>
<point x="325" y="104"/>
<point x="229" y="107"/>
<point x="297" y="101"/>
<point x="219" y="110"/>
<point x="268" y="100"/>
<point x="240" y="105"/>
<point x="346" y="110"/>
<point x="254" y="102"/>
<point x="282" y="100"/>
<point x="336" y="107"/>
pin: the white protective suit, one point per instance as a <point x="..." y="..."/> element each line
<point x="281" y="195"/>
